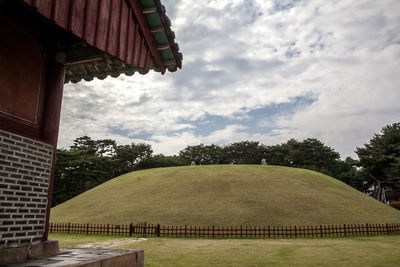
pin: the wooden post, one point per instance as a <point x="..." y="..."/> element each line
<point x="51" y="121"/>
<point x="387" y="228"/>
<point x="213" y="231"/>
<point x="158" y="230"/>
<point x="131" y="229"/>
<point x="69" y="225"/>
<point x="320" y="229"/>
<point x="295" y="232"/>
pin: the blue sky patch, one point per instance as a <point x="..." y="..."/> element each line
<point x="249" y="118"/>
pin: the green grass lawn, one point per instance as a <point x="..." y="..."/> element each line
<point x="355" y="251"/>
<point x="225" y="195"/>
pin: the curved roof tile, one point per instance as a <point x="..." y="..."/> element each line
<point x="112" y="37"/>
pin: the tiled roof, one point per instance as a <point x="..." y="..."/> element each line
<point x="112" y="37"/>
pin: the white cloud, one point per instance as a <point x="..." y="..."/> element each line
<point x="245" y="55"/>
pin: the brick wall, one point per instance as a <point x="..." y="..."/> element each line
<point x="25" y="166"/>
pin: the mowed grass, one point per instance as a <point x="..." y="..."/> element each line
<point x="355" y="251"/>
<point x="225" y="195"/>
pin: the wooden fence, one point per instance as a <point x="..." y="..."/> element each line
<point x="145" y="229"/>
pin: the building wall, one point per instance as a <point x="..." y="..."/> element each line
<point x="31" y="86"/>
<point x="22" y="68"/>
<point x="21" y="77"/>
<point x="25" y="166"/>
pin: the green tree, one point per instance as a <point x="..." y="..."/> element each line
<point x="86" y="164"/>
<point x="245" y="152"/>
<point x="202" y="154"/>
<point x="380" y="158"/>
<point x="347" y="171"/>
<point x="130" y="156"/>
<point x="312" y="154"/>
<point x="274" y="155"/>
<point x="160" y="160"/>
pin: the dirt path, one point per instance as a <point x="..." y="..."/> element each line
<point x="112" y="243"/>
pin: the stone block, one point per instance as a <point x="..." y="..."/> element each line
<point x="22" y="253"/>
<point x="44" y="249"/>
<point x="13" y="254"/>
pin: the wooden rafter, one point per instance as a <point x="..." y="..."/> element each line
<point x="149" y="10"/>
<point x="145" y="27"/>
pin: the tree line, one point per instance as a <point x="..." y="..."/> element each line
<point x="88" y="163"/>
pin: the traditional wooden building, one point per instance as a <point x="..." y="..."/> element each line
<point x="391" y="193"/>
<point x="44" y="44"/>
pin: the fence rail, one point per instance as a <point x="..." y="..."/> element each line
<point x="145" y="229"/>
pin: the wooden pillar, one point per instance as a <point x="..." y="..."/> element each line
<point x="51" y="120"/>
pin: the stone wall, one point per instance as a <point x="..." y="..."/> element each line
<point x="25" y="166"/>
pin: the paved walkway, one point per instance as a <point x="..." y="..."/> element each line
<point x="112" y="243"/>
<point x="76" y="257"/>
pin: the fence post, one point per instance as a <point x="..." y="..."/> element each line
<point x="213" y="231"/>
<point x="387" y="228"/>
<point x="131" y="229"/>
<point x="158" y="230"/>
<point x="295" y="231"/>
<point x="320" y="229"/>
<point x="367" y="229"/>
<point x="68" y="229"/>
<point x="87" y="228"/>
<point x="344" y="227"/>
<point x="241" y="235"/>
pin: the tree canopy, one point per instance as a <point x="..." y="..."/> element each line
<point x="380" y="158"/>
<point x="89" y="163"/>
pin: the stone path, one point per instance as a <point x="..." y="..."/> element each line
<point x="88" y="257"/>
<point x="112" y="243"/>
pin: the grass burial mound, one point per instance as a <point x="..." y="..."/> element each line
<point x="225" y="195"/>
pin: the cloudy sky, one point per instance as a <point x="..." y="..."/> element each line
<point x="262" y="70"/>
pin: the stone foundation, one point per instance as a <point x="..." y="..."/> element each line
<point x="38" y="250"/>
<point x="90" y="257"/>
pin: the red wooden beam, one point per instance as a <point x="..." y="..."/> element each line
<point x="51" y="122"/>
<point x="145" y="27"/>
